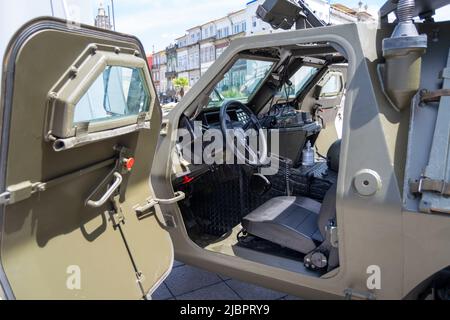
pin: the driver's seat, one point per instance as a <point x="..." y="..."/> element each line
<point x="296" y="223"/>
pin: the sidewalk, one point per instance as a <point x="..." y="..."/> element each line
<point x="190" y="283"/>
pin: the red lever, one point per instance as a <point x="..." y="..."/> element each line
<point x="129" y="163"/>
<point x="187" y="179"/>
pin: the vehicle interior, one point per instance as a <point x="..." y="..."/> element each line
<point x="286" y="216"/>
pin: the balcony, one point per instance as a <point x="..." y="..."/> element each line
<point x="209" y="38"/>
<point x="195" y="43"/>
<point x="171" y="49"/>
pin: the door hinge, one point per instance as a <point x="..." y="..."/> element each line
<point x="20" y="192"/>
<point x="433" y="96"/>
<point x="429" y="185"/>
<point x="117" y="216"/>
<point x="4" y="198"/>
<point x="151" y="203"/>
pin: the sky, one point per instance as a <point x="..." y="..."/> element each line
<point x="158" y="22"/>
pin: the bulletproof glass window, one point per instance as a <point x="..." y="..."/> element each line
<point x="333" y="85"/>
<point x="105" y="89"/>
<point x="117" y="92"/>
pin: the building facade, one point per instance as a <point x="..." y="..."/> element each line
<point x="171" y="70"/>
<point x="193" y="53"/>
<point x="341" y="14"/>
<point x="207" y="56"/>
<point x="194" y="36"/>
<point x="182" y="57"/>
<point x="159" y="69"/>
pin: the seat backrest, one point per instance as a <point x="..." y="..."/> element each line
<point x="327" y="210"/>
<point x="334" y="155"/>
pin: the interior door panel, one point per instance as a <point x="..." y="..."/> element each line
<point x="52" y="235"/>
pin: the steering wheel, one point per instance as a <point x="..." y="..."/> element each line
<point x="236" y="136"/>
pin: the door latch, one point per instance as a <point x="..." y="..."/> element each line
<point x="117" y="216"/>
<point x="164" y="128"/>
<point x="20" y="192"/>
<point x="151" y="203"/>
<point x="351" y="294"/>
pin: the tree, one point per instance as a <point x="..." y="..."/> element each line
<point x="181" y="84"/>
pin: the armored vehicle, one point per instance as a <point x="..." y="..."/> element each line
<point x="337" y="183"/>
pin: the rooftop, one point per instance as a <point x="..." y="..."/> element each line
<point x="236" y="12"/>
<point x="181" y="37"/>
<point x="353" y="12"/>
<point x="345" y="9"/>
<point x="212" y="21"/>
<point x="193" y="28"/>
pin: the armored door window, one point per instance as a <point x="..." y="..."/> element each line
<point x="106" y="92"/>
<point x="117" y="92"/>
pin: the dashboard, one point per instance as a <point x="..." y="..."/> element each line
<point x="210" y="118"/>
<point x="294" y="129"/>
<point x="280" y="116"/>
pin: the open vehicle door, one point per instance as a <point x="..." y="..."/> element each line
<point x="80" y="123"/>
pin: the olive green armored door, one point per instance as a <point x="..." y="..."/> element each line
<point x="80" y="124"/>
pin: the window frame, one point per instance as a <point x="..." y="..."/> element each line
<point x="77" y="80"/>
<point x="232" y="63"/>
<point x="325" y="81"/>
<point x="298" y="92"/>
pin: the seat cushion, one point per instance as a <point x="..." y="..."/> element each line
<point x="291" y="222"/>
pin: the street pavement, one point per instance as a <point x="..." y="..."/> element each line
<point x="190" y="283"/>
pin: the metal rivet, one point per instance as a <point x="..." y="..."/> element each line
<point x="73" y="71"/>
<point x="52" y="95"/>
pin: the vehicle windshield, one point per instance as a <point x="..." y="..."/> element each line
<point x="299" y="81"/>
<point x="240" y="82"/>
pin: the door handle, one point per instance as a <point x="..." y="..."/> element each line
<point x="117" y="182"/>
<point x="179" y="196"/>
